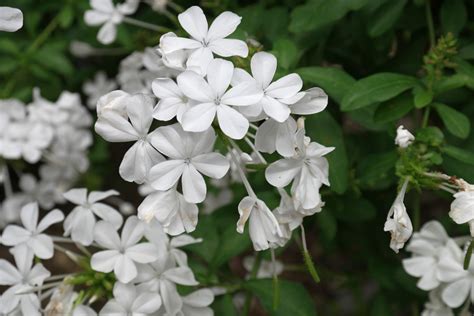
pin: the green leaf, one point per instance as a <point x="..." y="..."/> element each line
<point x="422" y="97"/>
<point x="295" y="299"/>
<point x="325" y="130"/>
<point x="354" y="209"/>
<point x="453" y="82"/>
<point x="66" y="16"/>
<point x="334" y="81"/>
<point x="467" y="52"/>
<point x="393" y="109"/>
<point x="224" y="306"/>
<point x="376" y="88"/>
<point x="319" y="13"/>
<point x="286" y="52"/>
<point x="206" y="229"/>
<point x="453" y="16"/>
<point x="327" y="225"/>
<point x="231" y="244"/>
<point x="459" y="154"/>
<point x="376" y="171"/>
<point x="8" y="46"/>
<point x="274" y="22"/>
<point x="53" y="59"/>
<point x="456" y="122"/>
<point x="8" y="65"/>
<point x="385" y="17"/>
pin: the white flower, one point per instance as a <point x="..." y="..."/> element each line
<point x="273" y="135"/>
<point x="173" y="103"/>
<point x="161" y="276"/>
<point x="213" y="99"/>
<point x="32" y="236"/>
<point x="177" y="59"/>
<point x="113" y="101"/>
<point x="205" y="41"/>
<point x="398" y="222"/>
<point x="404" y="137"/>
<point x="105" y="13"/>
<point x="197" y="303"/>
<point x="21" y="278"/>
<point x="83" y="310"/>
<point x="264" y="229"/>
<point x="308" y="170"/>
<point x="435" y="306"/>
<point x="460" y="282"/>
<point x="113" y="127"/>
<point x="11" y="19"/>
<point x="81" y="221"/>
<point x="277" y="96"/>
<point x="97" y="88"/>
<point x="462" y="209"/>
<point x="426" y="247"/>
<point x="190" y="154"/>
<point x="129" y="300"/>
<point x="171" y="210"/>
<point x="123" y="252"/>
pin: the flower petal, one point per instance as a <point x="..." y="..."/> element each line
<point x="96" y="196"/>
<point x="194" y="187"/>
<point x="243" y="94"/>
<point x="213" y="165"/>
<point x="29" y="216"/>
<point x="106" y="235"/>
<point x="132" y="232"/>
<point x="194" y="22"/>
<point x="107" y="33"/>
<point x="219" y="75"/>
<point x="76" y="196"/>
<point x="232" y="123"/>
<point x="281" y="172"/>
<point x="285" y="87"/>
<point x="124" y="269"/>
<point x="199" y="117"/>
<point x="143" y="253"/>
<point x="104" y="261"/>
<point x="227" y="47"/>
<point x="11" y="19"/>
<point x="223" y="25"/>
<point x="53" y="217"/>
<point x="275" y="109"/>
<point x="195" y="87"/>
<point x="263" y="66"/>
<point x="181" y="275"/>
<point x="165" y="174"/>
<point x="108" y="214"/>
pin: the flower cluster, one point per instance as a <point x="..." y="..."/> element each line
<point x="208" y="100"/>
<point x="54" y="133"/>
<point x="141" y="264"/>
<point x="437" y="260"/>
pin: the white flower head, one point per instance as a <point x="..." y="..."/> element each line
<point x="130" y="300"/>
<point x="11" y="19"/>
<point x="197" y="303"/>
<point x="213" y="99"/>
<point x="278" y="95"/>
<point x="21" y="278"/>
<point x="32" y="235"/>
<point x="98" y="87"/>
<point x="404" y="137"/>
<point x="435" y="306"/>
<point x="81" y="221"/>
<point x="123" y="252"/>
<point x="190" y="155"/>
<point x="114" y="127"/>
<point x="308" y="170"/>
<point x="398" y="222"/>
<point x="205" y="41"/>
<point x="105" y="13"/>
<point x="264" y="229"/>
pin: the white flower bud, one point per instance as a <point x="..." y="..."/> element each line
<point x="404" y="137"/>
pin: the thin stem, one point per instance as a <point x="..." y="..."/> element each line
<point x="429" y="22"/>
<point x="38" y="288"/>
<point x="7" y="185"/>
<point x="58" y="277"/>
<point x="146" y="25"/>
<point x="175" y="7"/>
<point x="255" y="127"/>
<point x="71" y="254"/>
<point x="259" y="155"/>
<point x="442" y="187"/>
<point x="438" y="175"/>
<point x="253" y="275"/>
<point x="171" y="17"/>
<point x="245" y="181"/>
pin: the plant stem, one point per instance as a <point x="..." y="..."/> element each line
<point x="429" y="22"/>
<point x="253" y="275"/>
<point x="245" y="181"/>
<point x="146" y="25"/>
<point x="426" y="116"/>
<point x="7" y="185"/>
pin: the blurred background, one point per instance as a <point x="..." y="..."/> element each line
<point x="331" y="44"/>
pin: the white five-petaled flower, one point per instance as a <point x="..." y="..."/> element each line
<point x="264" y="229"/>
<point x="21" y="278"/>
<point x="114" y="127"/>
<point x="190" y="154"/>
<point x="273" y="135"/>
<point x="398" y="222"/>
<point x="404" y="138"/>
<point x="11" y="19"/>
<point x="308" y="170"/>
<point x="131" y="300"/>
<point x="213" y="99"/>
<point x="81" y="221"/>
<point x="98" y="87"/>
<point x="123" y="252"/>
<point x="277" y="96"/>
<point x="32" y="236"/>
<point x="162" y="276"/>
<point x="171" y="210"/>
<point x="205" y="41"/>
<point x="426" y="247"/>
<point x="105" y="13"/>
<point x="462" y="209"/>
